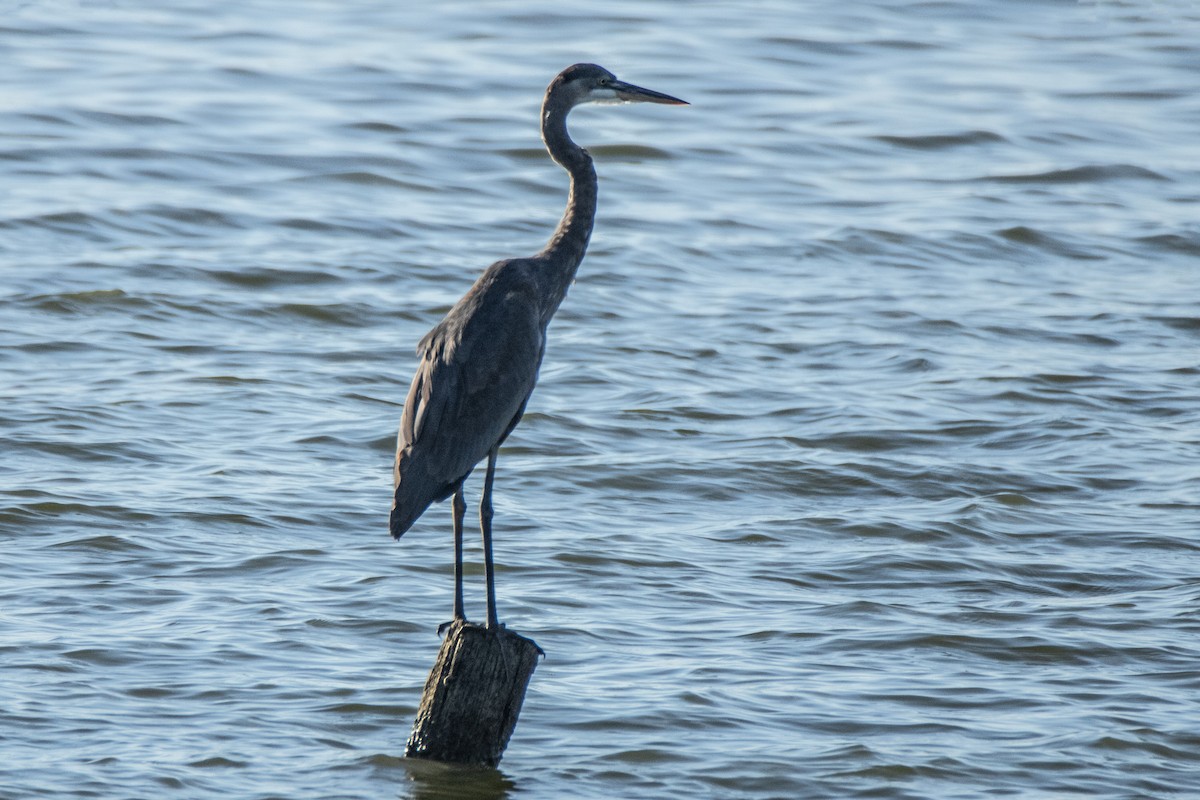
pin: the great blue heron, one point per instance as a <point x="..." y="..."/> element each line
<point x="480" y="363"/>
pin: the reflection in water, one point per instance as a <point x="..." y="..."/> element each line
<point x="434" y="780"/>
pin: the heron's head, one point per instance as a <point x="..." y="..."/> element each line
<point x="589" y="83"/>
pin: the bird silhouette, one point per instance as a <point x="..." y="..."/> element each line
<point x="479" y="364"/>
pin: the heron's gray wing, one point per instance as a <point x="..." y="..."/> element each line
<point x="480" y="378"/>
<point x="477" y="369"/>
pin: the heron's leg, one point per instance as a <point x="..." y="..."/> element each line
<point x="485" y="524"/>
<point x="459" y="506"/>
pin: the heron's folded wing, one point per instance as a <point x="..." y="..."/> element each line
<point x="473" y="381"/>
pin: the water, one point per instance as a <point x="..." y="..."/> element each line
<point x="863" y="462"/>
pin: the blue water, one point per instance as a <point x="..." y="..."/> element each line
<point x="863" y="460"/>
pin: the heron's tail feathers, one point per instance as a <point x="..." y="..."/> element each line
<point x="401" y="521"/>
<point x="407" y="510"/>
<point x="415" y="491"/>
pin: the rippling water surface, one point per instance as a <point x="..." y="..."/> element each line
<point x="863" y="463"/>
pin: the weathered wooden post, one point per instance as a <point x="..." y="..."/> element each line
<point x="473" y="695"/>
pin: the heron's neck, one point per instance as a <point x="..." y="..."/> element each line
<point x="563" y="253"/>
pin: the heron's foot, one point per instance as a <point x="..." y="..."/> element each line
<point x="496" y="629"/>
<point x="445" y="625"/>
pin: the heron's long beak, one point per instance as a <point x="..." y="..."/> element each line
<point x="628" y="93"/>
